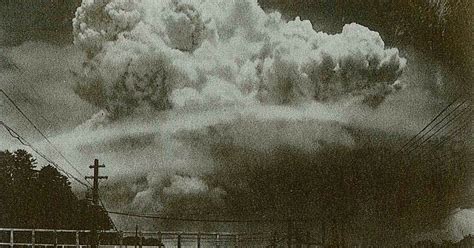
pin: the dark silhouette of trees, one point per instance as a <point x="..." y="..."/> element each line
<point x="32" y="198"/>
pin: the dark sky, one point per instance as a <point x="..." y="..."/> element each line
<point x="36" y="54"/>
<point x="37" y="21"/>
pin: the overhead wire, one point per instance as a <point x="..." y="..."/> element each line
<point x="41" y="132"/>
<point x="452" y="133"/>
<point x="421" y="138"/>
<point x="24" y="142"/>
<point x="455" y="132"/>
<point x="423" y="141"/>
<point x="105" y="209"/>
<point x="206" y="220"/>
<point x="426" y="126"/>
<point x="25" y="99"/>
<point x="417" y="139"/>
<point x="33" y="88"/>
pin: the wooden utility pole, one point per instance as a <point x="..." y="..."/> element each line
<point x="95" y="198"/>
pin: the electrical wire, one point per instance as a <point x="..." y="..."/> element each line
<point x="412" y="144"/>
<point x="15" y="135"/>
<point x="185" y="219"/>
<point x="41" y="132"/>
<point x="25" y="99"/>
<point x="24" y="142"/>
<point x="423" y="141"/>
<point x="433" y="127"/>
<point x="454" y="132"/>
<point x="413" y="141"/>
<point x="18" y="137"/>
<point x="105" y="209"/>
<point x="426" y="127"/>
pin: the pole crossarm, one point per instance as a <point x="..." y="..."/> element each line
<point x="95" y="196"/>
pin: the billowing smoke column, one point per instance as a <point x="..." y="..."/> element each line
<point x="169" y="54"/>
<point x="215" y="108"/>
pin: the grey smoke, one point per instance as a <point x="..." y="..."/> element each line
<point x="203" y="140"/>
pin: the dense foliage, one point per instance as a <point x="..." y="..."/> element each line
<point x="42" y="198"/>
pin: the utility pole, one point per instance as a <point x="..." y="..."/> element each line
<point x="95" y="198"/>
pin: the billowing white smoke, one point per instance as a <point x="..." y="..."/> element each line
<point x="204" y="98"/>
<point x="188" y="53"/>
<point x="209" y="83"/>
<point x="222" y="65"/>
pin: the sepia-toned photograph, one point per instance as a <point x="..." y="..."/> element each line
<point x="236" y="123"/>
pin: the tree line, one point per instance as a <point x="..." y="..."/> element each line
<point x="32" y="197"/>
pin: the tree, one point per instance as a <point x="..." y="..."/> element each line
<point x="55" y="198"/>
<point x="88" y="212"/>
<point x="17" y="173"/>
<point x="42" y="198"/>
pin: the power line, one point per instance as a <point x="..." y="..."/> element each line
<point x="24" y="142"/>
<point x="103" y="206"/>
<point x="426" y="127"/>
<point x="15" y="135"/>
<point x="186" y="219"/>
<point x="451" y="134"/>
<point x="223" y="211"/>
<point x="433" y="127"/>
<point x="25" y="99"/>
<point x="420" y="136"/>
<point x="31" y="86"/>
<point x="40" y="132"/>
<point x="423" y="141"/>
